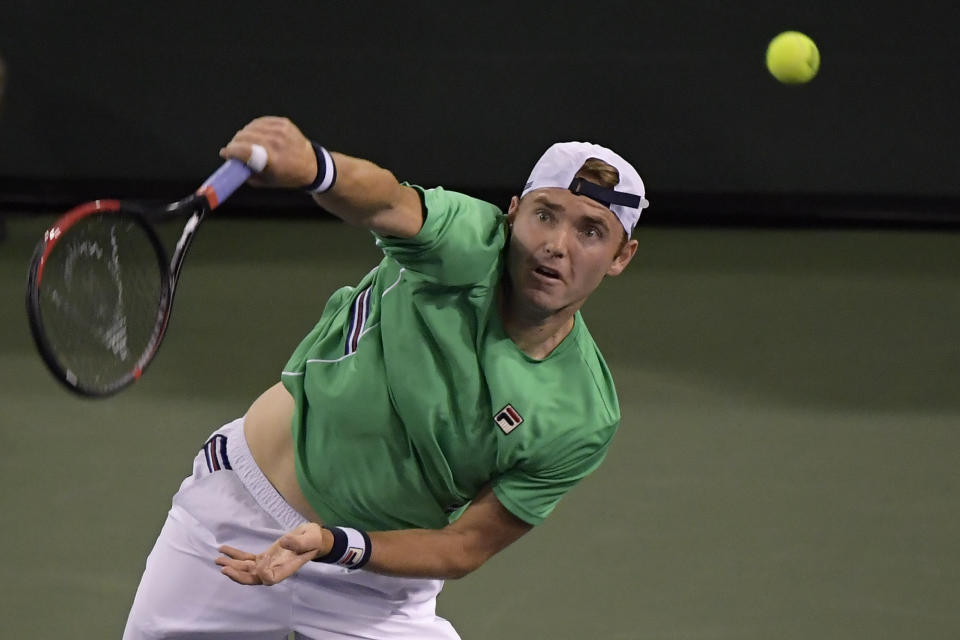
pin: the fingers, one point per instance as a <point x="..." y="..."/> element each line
<point x="270" y="132"/>
<point x="249" y="572"/>
<point x="252" y="571"/>
<point x="249" y="569"/>
<point x="241" y="577"/>
<point x="256" y="132"/>
<point x="240" y="566"/>
<point x="235" y="553"/>
<point x="242" y="149"/>
<point x="242" y="571"/>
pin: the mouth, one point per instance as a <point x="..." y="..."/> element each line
<point x="547" y="272"/>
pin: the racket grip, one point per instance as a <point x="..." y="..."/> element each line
<point x="224" y="181"/>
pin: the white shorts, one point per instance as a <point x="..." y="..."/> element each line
<point x="228" y="500"/>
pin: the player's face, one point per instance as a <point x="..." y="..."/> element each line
<point x="561" y="248"/>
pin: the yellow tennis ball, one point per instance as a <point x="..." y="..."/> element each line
<point x="793" y="58"/>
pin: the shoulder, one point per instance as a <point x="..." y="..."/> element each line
<point x="439" y="199"/>
<point x="451" y="213"/>
<point x="460" y="240"/>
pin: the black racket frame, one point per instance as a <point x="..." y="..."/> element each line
<point x="142" y="217"/>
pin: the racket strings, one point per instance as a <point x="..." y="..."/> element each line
<point x="103" y="299"/>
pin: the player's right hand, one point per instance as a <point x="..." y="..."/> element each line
<point x="291" y="161"/>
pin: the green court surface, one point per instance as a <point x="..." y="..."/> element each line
<point x="788" y="465"/>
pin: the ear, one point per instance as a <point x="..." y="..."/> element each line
<point x="512" y="209"/>
<point x="623" y="258"/>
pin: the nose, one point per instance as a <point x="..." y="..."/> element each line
<point x="555" y="245"/>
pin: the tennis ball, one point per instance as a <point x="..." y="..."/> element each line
<point x="793" y="58"/>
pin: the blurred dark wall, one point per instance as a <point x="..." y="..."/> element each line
<point x="470" y="94"/>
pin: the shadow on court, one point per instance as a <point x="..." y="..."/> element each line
<point x="787" y="466"/>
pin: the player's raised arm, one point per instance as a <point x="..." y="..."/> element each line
<point x="356" y="190"/>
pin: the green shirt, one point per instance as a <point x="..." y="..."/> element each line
<point x="410" y="397"/>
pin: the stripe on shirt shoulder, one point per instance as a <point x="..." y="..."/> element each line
<point x="356" y="330"/>
<point x="358" y="320"/>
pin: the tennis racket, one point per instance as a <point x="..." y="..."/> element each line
<point x="100" y="286"/>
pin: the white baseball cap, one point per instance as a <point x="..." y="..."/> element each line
<point x="559" y="165"/>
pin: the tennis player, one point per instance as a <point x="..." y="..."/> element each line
<point x="437" y="412"/>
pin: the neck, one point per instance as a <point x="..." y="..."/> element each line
<point x="535" y="332"/>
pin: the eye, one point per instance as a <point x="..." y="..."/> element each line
<point x="593" y="232"/>
<point x="543" y="215"/>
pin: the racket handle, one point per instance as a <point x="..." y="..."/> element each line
<point x="224" y="181"/>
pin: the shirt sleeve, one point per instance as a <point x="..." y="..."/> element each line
<point x="532" y="489"/>
<point x="460" y="242"/>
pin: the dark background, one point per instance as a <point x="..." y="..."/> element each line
<point x="784" y="343"/>
<point x="468" y="95"/>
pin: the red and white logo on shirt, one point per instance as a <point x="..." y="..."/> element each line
<point x="508" y="419"/>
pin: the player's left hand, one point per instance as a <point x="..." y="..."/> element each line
<point x="281" y="559"/>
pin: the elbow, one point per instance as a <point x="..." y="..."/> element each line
<point x="458" y="570"/>
<point x="464" y="563"/>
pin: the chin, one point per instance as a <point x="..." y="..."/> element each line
<point x="544" y="303"/>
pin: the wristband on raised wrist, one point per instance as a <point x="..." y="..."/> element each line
<point x="351" y="548"/>
<point x="326" y="170"/>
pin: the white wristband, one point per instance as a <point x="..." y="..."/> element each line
<point x="326" y="170"/>
<point x="351" y="548"/>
